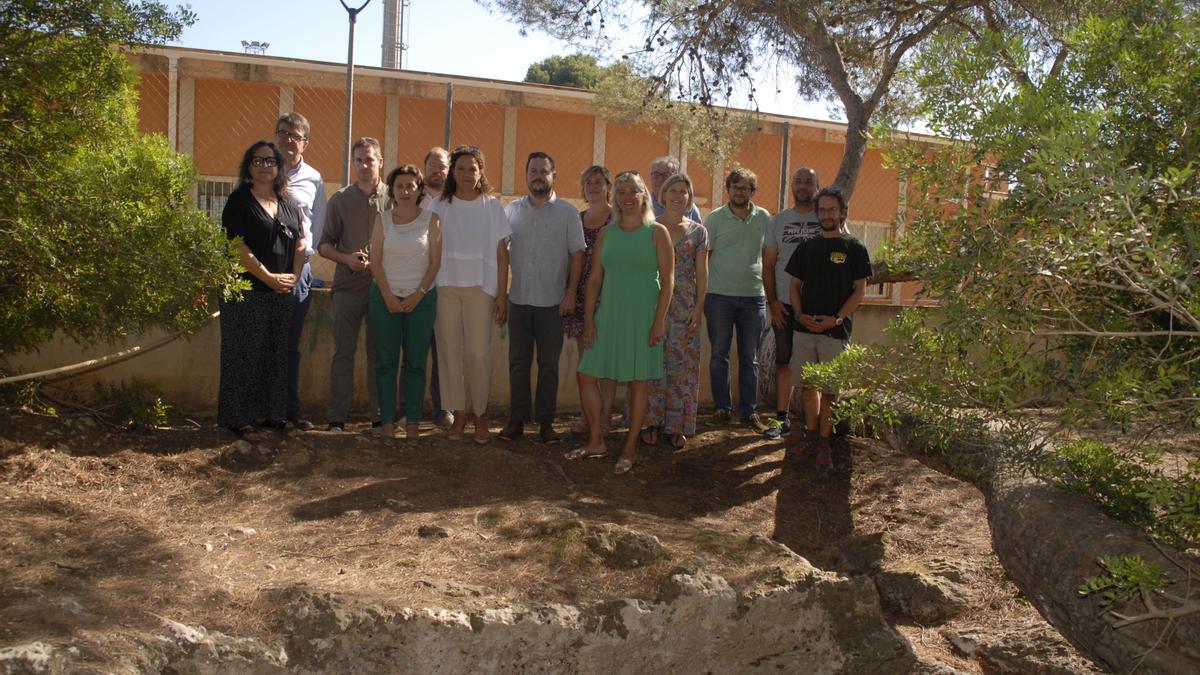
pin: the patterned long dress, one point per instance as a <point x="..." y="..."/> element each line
<point x="573" y="325"/>
<point x="675" y="397"/>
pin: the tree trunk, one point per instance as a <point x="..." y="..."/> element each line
<point x="857" y="128"/>
<point x="1049" y="540"/>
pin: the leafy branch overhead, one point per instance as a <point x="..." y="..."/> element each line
<point x="855" y="53"/>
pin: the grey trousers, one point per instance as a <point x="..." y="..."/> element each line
<point x="532" y="327"/>
<point x="349" y="315"/>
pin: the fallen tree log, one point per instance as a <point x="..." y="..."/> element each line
<point x="1049" y="541"/>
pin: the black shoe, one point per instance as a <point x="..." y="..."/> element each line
<point x="336" y="426"/>
<point x="294" y="421"/>
<point x="548" y="434"/>
<point x="275" y="424"/>
<point x="512" y="431"/>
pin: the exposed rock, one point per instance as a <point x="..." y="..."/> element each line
<point x="622" y="547"/>
<point x="552" y="527"/>
<point x="826" y="623"/>
<point x="1038" y="650"/>
<point x="430" y="531"/>
<point x="933" y="667"/>
<point x="35" y="658"/>
<point x="862" y="554"/>
<point x="198" y="651"/>
<point x="921" y="595"/>
<point x="452" y="588"/>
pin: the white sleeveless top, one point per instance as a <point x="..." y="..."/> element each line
<point x="405" y="252"/>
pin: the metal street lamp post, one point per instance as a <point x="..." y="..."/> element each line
<point x="353" y="17"/>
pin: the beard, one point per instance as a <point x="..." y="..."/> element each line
<point x="830" y="225"/>
<point x="539" y="188"/>
<point x="435" y="183"/>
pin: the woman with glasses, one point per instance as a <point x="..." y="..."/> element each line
<point x="675" y="397"/>
<point x="254" y="328"/>
<point x="472" y="287"/>
<point x="631" y="280"/>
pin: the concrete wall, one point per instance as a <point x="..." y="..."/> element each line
<point x="187" y="370"/>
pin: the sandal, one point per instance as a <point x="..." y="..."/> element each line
<point x="247" y="432"/>
<point x="679" y="441"/>
<point x="456" y="430"/>
<point x="483" y="435"/>
<point x="582" y="453"/>
<point x="412" y="432"/>
<point x="623" y="466"/>
<point x="649" y="436"/>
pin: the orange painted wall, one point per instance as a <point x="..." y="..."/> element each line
<point x="877" y="191"/>
<point x="762" y="154"/>
<point x="422" y="126"/>
<point x="481" y="125"/>
<point x="152" y="89"/>
<point x="632" y="148"/>
<point x="325" y="110"/>
<point x="702" y="184"/>
<point x="567" y="137"/>
<point x="230" y="116"/>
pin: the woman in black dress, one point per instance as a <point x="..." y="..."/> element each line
<point x="254" y="329"/>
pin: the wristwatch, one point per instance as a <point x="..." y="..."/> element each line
<point x="837" y="320"/>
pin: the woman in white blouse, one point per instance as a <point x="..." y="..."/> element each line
<point x="472" y="287"/>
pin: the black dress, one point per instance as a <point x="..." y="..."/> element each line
<point x="254" y="329"/>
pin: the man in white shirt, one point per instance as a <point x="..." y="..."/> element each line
<point x="307" y="190"/>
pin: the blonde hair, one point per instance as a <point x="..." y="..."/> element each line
<point x="679" y="178"/>
<point x="631" y="176"/>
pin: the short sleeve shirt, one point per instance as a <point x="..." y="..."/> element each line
<point x="788" y="229"/>
<point x="829" y="266"/>
<point x="543" y="239"/>
<point x="271" y="240"/>
<point x="471" y="231"/>
<point x="735" y="265"/>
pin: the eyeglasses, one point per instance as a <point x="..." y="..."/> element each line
<point x="264" y="161"/>
<point x="290" y="135"/>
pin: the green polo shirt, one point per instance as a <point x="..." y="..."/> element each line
<point x="735" y="262"/>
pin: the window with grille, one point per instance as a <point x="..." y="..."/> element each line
<point x="212" y="192"/>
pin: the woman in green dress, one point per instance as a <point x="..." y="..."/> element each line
<point x="633" y="266"/>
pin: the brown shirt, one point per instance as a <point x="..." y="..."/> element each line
<point x="348" y="222"/>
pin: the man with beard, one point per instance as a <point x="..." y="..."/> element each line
<point x="736" y="232"/>
<point x="546" y="259"/>
<point x="788" y="229"/>
<point x="829" y="279"/>
<point x="351" y="215"/>
<point x="307" y="190"/>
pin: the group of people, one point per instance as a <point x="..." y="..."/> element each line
<point x="429" y="259"/>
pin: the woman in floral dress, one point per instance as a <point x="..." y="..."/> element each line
<point x="596" y="183"/>
<point x="674" y="397"/>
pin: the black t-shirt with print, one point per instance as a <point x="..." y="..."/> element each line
<point x="271" y="240"/>
<point x="829" y="266"/>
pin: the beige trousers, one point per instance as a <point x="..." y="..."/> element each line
<point x="464" y="342"/>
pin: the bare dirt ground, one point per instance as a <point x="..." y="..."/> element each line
<point x="108" y="529"/>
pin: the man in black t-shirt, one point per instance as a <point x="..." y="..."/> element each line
<point x="829" y="280"/>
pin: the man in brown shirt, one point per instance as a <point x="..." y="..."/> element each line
<point x="349" y="218"/>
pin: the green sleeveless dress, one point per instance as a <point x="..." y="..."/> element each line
<point x="628" y="299"/>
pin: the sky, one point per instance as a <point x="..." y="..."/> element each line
<point x="455" y="37"/>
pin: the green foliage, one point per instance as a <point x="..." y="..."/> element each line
<point x="1125" y="577"/>
<point x="1132" y="487"/>
<point x="138" y="403"/>
<point x="1059" y="232"/>
<point x="574" y="70"/>
<point x="26" y="395"/>
<point x="100" y="239"/>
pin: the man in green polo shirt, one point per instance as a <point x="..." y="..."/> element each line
<point x="735" y="295"/>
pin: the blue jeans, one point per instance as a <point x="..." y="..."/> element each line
<point x="723" y="313"/>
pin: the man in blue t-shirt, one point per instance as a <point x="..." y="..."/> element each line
<point x="829" y="280"/>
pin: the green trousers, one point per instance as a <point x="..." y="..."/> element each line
<point x="410" y="333"/>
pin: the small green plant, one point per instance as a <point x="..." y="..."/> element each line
<point x="26" y="395"/>
<point x="133" y="404"/>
